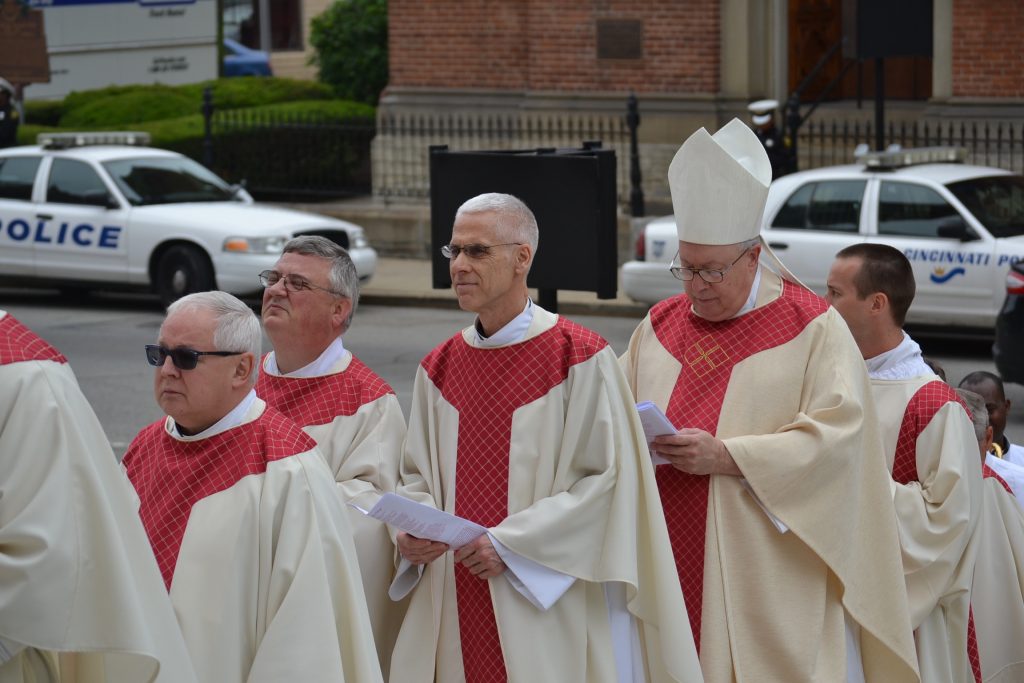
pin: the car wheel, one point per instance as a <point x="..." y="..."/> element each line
<point x="182" y="270"/>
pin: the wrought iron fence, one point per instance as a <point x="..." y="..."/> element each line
<point x="999" y="144"/>
<point x="285" y="156"/>
<point x="401" y="165"/>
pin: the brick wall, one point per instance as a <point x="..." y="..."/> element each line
<point x="552" y="45"/>
<point x="987" y="57"/>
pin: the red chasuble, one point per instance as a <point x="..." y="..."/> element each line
<point x="708" y="351"/>
<point x="319" y="400"/>
<point x="171" y="476"/>
<point x="921" y="408"/>
<point x="988" y="472"/>
<point x="487" y="386"/>
<point x="19" y="344"/>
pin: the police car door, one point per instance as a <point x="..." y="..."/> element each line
<point x="17" y="178"/>
<point x="952" y="274"/>
<point x="79" y="233"/>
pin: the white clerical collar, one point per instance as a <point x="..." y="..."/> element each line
<point x="229" y="421"/>
<point x="902" y="362"/>
<point x="323" y="364"/>
<point x="751" y="298"/>
<point x="3" y="314"/>
<point x="512" y="332"/>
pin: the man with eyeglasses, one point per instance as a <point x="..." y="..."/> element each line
<point x="242" y="514"/>
<point x="776" y="494"/>
<point x="929" y="446"/>
<point x="309" y="299"/>
<point x="79" y="588"/>
<point x="523" y="424"/>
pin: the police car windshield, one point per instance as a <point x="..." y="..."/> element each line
<point x="163" y="180"/>
<point x="996" y="201"/>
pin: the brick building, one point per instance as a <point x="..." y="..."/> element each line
<point x="691" y="63"/>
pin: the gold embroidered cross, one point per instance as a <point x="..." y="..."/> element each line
<point x="701" y="352"/>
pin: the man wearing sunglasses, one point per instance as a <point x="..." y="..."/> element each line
<point x="81" y="590"/>
<point x="776" y="496"/>
<point x="523" y="424"/>
<point x="309" y="299"/>
<point x="240" y="508"/>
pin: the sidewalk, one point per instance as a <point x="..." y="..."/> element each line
<point x="406" y="282"/>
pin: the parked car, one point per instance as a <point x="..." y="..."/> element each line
<point x="240" y="60"/>
<point x="1008" y="349"/>
<point x="961" y="226"/>
<point x="76" y="211"/>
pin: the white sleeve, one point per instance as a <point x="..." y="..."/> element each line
<point x="535" y="582"/>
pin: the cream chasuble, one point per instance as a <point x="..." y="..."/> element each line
<point x="933" y="456"/>
<point x="80" y="594"/>
<point x="785" y="388"/>
<point x="357" y="423"/>
<point x="538" y="440"/>
<point x="997" y="592"/>
<point x="254" y="544"/>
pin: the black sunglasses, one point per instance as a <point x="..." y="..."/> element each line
<point x="183" y="359"/>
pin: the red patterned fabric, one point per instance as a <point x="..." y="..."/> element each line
<point x="486" y="386"/>
<point x="19" y="344"/>
<point x="708" y="351"/>
<point x="319" y="400"/>
<point x="921" y="408"/>
<point x="988" y="472"/>
<point x="171" y="476"/>
<point x="972" y="647"/>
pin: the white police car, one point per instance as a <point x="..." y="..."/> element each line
<point x="961" y="227"/>
<point x="93" y="210"/>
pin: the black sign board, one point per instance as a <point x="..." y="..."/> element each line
<point x="570" y="191"/>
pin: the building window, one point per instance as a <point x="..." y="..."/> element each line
<point x="242" y="22"/>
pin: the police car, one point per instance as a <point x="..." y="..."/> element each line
<point x="960" y="226"/>
<point x="93" y="210"/>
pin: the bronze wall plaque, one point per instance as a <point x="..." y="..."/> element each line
<point x="620" y="39"/>
<point x="23" y="56"/>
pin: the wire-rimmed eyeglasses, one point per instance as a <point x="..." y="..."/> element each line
<point x="452" y="251"/>
<point x="292" y="283"/>
<point x="183" y="358"/>
<point x="709" y="275"/>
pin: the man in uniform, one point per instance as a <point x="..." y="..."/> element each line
<point x="9" y="116"/>
<point x="929" y="444"/>
<point x="241" y="510"/>
<point x="997" y="589"/>
<point x="523" y="424"/>
<point x="776" y="498"/>
<point x="762" y="115"/>
<point x="80" y="594"/>
<point x="354" y="416"/>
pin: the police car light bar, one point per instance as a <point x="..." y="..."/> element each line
<point x="899" y="158"/>
<point x="69" y="140"/>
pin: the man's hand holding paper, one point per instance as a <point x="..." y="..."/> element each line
<point x="696" y="452"/>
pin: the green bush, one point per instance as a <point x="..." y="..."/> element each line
<point x="44" y="112"/>
<point x="151" y="103"/>
<point x="350" y="39"/>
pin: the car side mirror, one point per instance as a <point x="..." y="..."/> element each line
<point x="955" y="227"/>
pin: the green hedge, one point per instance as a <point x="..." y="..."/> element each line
<point x="171" y="116"/>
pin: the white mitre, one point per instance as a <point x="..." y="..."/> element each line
<point x="719" y="185"/>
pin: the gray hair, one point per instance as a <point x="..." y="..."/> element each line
<point x="749" y="244"/>
<point x="515" y="218"/>
<point x="979" y="413"/>
<point x="343" y="276"/>
<point x="238" y="328"/>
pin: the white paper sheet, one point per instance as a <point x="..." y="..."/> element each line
<point x="655" y="424"/>
<point x="423" y="521"/>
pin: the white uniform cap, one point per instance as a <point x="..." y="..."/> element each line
<point x="6" y="85"/>
<point x="762" y="111"/>
<point x="719" y="185"/>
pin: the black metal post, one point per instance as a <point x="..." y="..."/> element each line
<point x="792" y="123"/>
<point x="636" y="191"/>
<point x="879" y="103"/>
<point x="208" y="127"/>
